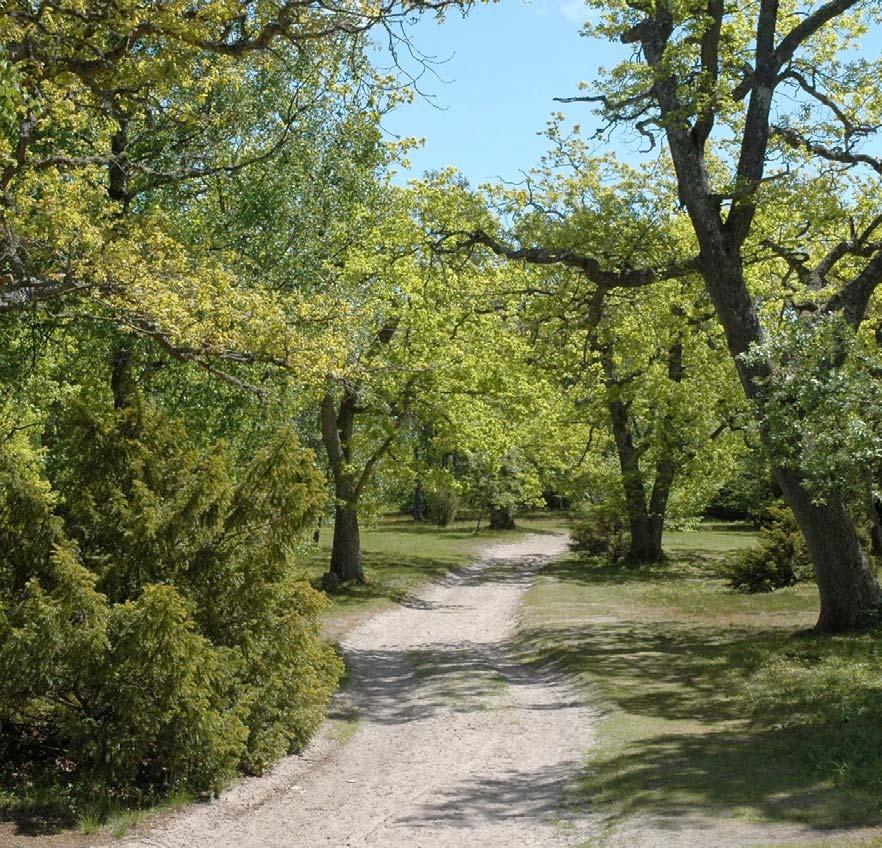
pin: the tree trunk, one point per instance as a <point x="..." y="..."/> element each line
<point x="346" y="547"/>
<point x="665" y="472"/>
<point x="122" y="380"/>
<point x="501" y="518"/>
<point x="849" y="592"/>
<point x="644" y="546"/>
<point x="666" y="467"/>
<point x="418" y="506"/>
<point x="337" y="434"/>
<point x="874" y="510"/>
<point x="848" y="589"/>
<point x="874" y="514"/>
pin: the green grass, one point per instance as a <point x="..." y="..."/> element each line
<point x="713" y="701"/>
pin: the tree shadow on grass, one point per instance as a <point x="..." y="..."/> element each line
<point x="37" y="819"/>
<point x="687" y="742"/>
<point x="761" y="773"/>
<point x="592" y="571"/>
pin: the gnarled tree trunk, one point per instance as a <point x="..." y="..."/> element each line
<point x="849" y="592"/>
<point x="848" y="589"/>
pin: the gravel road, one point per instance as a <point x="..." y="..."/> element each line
<point x="442" y="739"/>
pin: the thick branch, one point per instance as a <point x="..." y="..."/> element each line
<point x="853" y="300"/>
<point x="831" y="154"/>
<point x="588" y="265"/>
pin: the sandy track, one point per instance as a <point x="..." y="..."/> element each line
<point x="456" y="743"/>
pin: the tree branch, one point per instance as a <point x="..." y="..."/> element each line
<point x="588" y="265"/>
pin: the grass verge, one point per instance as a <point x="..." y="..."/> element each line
<point x="714" y="702"/>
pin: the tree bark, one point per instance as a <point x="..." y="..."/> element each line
<point x="645" y="544"/>
<point x="849" y="592"/>
<point x="346" y="548"/>
<point x="418" y="505"/>
<point x="874" y="512"/>
<point x="337" y="426"/>
<point x="665" y="472"/>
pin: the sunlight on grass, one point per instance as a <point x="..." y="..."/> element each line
<point x="711" y="700"/>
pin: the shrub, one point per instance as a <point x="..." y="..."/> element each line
<point x="601" y="532"/>
<point x="443" y="504"/>
<point x="780" y="559"/>
<point x="153" y="636"/>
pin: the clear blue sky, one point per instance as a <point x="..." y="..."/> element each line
<point x="506" y="63"/>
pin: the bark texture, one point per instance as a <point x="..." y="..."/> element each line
<point x="646" y="517"/>
<point x="337" y="425"/>
<point x="346" y="549"/>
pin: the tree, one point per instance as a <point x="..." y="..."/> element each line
<point x="705" y="79"/>
<point x="650" y="367"/>
<point x="713" y="70"/>
<point x="152" y="629"/>
<point x="422" y="346"/>
<point x="109" y="110"/>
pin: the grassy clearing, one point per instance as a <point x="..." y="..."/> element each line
<point x="715" y="702"/>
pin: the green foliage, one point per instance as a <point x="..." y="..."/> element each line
<point x="153" y="637"/>
<point x="820" y="404"/>
<point x="601" y="532"/>
<point x="780" y="559"/>
<point x="749" y="492"/>
<point x="442" y="504"/>
<point x="505" y="485"/>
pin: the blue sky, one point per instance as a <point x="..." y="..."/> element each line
<point x="504" y="65"/>
<point x="501" y="68"/>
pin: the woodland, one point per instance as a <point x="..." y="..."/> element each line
<point x="229" y="328"/>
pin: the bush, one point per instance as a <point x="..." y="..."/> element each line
<point x="780" y="559"/>
<point x="152" y="634"/>
<point x="601" y="532"/>
<point x="443" y="505"/>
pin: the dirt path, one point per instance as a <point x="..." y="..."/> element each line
<point x="453" y="742"/>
